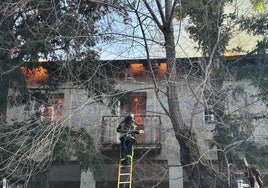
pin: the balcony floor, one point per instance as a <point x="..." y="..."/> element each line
<point x="113" y="150"/>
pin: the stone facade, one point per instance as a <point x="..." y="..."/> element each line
<point x="81" y="111"/>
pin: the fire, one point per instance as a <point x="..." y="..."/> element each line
<point x="136" y="67"/>
<point x="34" y="74"/>
<point x="136" y="99"/>
<point x="230" y="54"/>
<point x="163" y="66"/>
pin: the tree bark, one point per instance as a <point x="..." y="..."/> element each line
<point x="196" y="167"/>
<point x="3" y="100"/>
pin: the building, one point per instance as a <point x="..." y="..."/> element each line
<point x="157" y="153"/>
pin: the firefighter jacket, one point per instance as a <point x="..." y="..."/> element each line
<point x="128" y="130"/>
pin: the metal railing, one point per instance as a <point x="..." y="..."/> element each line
<point x="151" y="126"/>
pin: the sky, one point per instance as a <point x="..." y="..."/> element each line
<point x="129" y="48"/>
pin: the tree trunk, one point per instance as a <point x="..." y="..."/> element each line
<point x="3" y="100"/>
<point x="196" y="167"/>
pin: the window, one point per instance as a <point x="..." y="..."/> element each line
<point x="209" y="115"/>
<point x="135" y="103"/>
<point x="141" y="71"/>
<point x="53" y="108"/>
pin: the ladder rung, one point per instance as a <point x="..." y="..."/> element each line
<point x="125" y="166"/>
<point x="124" y="174"/>
<point x="124" y="182"/>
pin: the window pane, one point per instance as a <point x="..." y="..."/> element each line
<point x="54" y="108"/>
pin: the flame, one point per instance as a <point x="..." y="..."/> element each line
<point x="230" y="54"/>
<point x="163" y="66"/>
<point x="136" y="99"/>
<point x="34" y="74"/>
<point x="136" y="67"/>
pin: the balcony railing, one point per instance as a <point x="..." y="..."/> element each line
<point x="151" y="126"/>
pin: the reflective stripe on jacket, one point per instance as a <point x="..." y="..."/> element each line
<point x="128" y="132"/>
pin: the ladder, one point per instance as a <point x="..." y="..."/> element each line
<point x="125" y="175"/>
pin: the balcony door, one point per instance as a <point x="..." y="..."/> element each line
<point x="53" y="108"/>
<point x="135" y="103"/>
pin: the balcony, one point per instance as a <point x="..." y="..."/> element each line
<point x="149" y="142"/>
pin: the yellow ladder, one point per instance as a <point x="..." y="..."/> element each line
<point x="125" y="175"/>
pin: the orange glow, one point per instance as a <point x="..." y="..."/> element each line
<point x="136" y="99"/>
<point x="34" y="74"/>
<point x="163" y="66"/>
<point x="136" y="67"/>
<point x="230" y="54"/>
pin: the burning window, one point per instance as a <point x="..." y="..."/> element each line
<point x="135" y="103"/>
<point x="34" y="74"/>
<point x="163" y="67"/>
<point x="137" y="69"/>
<point x="159" y="69"/>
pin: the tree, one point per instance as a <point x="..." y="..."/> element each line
<point x="206" y="18"/>
<point x="259" y="5"/>
<point x="31" y="147"/>
<point x="257" y="26"/>
<point x="205" y="30"/>
<point x="58" y="31"/>
<point x="57" y="36"/>
<point x="257" y="74"/>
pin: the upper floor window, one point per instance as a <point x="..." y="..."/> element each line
<point x="34" y="74"/>
<point x="134" y="103"/>
<point x="140" y="71"/>
<point x="209" y="115"/>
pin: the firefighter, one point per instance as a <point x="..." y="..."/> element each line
<point x="128" y="128"/>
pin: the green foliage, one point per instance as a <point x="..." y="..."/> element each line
<point x="256" y="25"/>
<point x="259" y="5"/>
<point x="206" y="25"/>
<point x="3" y="94"/>
<point x="224" y="133"/>
<point x="63" y="31"/>
<point x="37" y="146"/>
<point x="78" y="143"/>
<point x="255" y="154"/>
<point x="256" y="71"/>
<point x="54" y="28"/>
<point x="15" y="143"/>
<point x="229" y="132"/>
